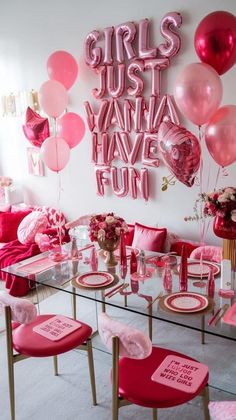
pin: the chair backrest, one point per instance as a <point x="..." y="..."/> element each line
<point x="132" y="343"/>
<point x="22" y="310"/>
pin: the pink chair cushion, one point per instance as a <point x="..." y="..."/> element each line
<point x="222" y="410"/>
<point x="22" y="310"/>
<point x="35" y="222"/>
<point x="30" y="343"/>
<point x="209" y="253"/>
<point x="136" y="385"/>
<point x="149" y="238"/>
<point x="133" y="343"/>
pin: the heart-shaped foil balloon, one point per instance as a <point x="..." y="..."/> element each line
<point x="180" y="150"/>
<point x="36" y="128"/>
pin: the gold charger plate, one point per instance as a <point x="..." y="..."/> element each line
<point x="209" y="308"/>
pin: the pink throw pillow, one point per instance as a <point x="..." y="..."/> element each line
<point x="35" y="222"/>
<point x="129" y="236"/>
<point x="149" y="238"/>
<point x="9" y="223"/>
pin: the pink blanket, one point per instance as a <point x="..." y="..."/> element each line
<point x="12" y="253"/>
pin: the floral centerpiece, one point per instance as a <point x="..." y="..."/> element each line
<point x="221" y="205"/>
<point x="106" y="230"/>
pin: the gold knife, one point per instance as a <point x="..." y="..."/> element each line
<point x="221" y="314"/>
<point x="122" y="287"/>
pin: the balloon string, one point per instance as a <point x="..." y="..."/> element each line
<point x="217" y="177"/>
<point x="58" y="206"/>
<point x="201" y="222"/>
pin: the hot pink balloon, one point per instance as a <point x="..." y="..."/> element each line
<point x="71" y="128"/>
<point x="55" y="153"/>
<point x="180" y="150"/>
<point x="198" y="92"/>
<point x="220" y="135"/>
<point x="215" y="40"/>
<point x="62" y="66"/>
<point x="53" y="98"/>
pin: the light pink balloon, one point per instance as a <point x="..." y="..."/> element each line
<point x="132" y="70"/>
<point x="220" y="135"/>
<point x="92" y="55"/>
<point x="198" y="92"/>
<point x="55" y="153"/>
<point x="125" y="34"/>
<point x="116" y="91"/>
<point x="143" y="41"/>
<point x="53" y="98"/>
<point x="71" y="128"/>
<point x="62" y="66"/>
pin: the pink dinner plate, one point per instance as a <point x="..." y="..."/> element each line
<point x="197" y="270"/>
<point x="186" y="302"/>
<point x="230" y="316"/>
<point x="129" y="249"/>
<point x="95" y="279"/>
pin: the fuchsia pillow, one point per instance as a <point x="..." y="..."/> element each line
<point x="35" y="222"/>
<point x="149" y="238"/>
<point x="129" y="236"/>
<point x="9" y="223"/>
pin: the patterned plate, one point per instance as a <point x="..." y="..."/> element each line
<point x="186" y="302"/>
<point x="196" y="270"/>
<point x="95" y="279"/>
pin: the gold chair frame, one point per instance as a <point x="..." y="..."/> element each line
<point x="118" y="402"/>
<point x="13" y="358"/>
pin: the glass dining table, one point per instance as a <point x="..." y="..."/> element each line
<point x="142" y="295"/>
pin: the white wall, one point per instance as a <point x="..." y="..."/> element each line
<point x="29" y="32"/>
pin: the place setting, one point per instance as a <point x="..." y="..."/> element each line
<point x="95" y="280"/>
<point x="185" y="302"/>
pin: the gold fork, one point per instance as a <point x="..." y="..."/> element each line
<point x="154" y="300"/>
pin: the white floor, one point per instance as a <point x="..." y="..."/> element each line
<point x="41" y="396"/>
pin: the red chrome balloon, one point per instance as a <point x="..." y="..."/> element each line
<point x="215" y="40"/>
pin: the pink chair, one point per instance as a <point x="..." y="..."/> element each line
<point x="131" y="374"/>
<point x="21" y="338"/>
<point x="222" y="410"/>
<point x="207" y="253"/>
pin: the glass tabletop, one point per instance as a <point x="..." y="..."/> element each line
<point x="145" y="296"/>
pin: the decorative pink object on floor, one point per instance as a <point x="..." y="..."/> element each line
<point x="222" y="410"/>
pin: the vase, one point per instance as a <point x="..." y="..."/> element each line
<point x="224" y="228"/>
<point x="109" y="245"/>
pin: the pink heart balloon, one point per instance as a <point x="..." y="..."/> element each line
<point x="220" y="135"/>
<point x="180" y="150"/>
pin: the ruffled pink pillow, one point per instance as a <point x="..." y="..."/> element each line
<point x="149" y="238"/>
<point x="208" y="253"/>
<point x="133" y="343"/>
<point x="35" y="222"/>
<point x="220" y="410"/>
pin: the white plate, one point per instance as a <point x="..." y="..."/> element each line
<point x="95" y="279"/>
<point x="186" y="302"/>
<point x="197" y="270"/>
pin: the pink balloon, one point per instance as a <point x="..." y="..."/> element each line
<point x="62" y="66"/>
<point x="133" y="68"/>
<point x="180" y="150"/>
<point x="143" y="41"/>
<point x="71" y="128"/>
<point x="92" y="55"/>
<point x="139" y="180"/>
<point x="125" y="34"/>
<point x="53" y="98"/>
<point x="122" y="189"/>
<point x="215" y="40"/>
<point x="55" y="153"/>
<point x="173" y="43"/>
<point x="116" y="91"/>
<point x="198" y="92"/>
<point x="220" y="135"/>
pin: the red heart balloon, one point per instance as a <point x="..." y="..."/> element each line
<point x="180" y="150"/>
<point x="215" y="40"/>
<point x="36" y="128"/>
